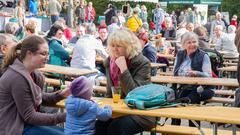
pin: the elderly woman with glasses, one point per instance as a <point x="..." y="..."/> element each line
<point x="192" y="62"/>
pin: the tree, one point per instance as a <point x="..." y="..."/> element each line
<point x="101" y="5"/>
<point x="231" y="6"/>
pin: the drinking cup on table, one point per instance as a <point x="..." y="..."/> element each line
<point x="63" y="87"/>
<point x="116" y="93"/>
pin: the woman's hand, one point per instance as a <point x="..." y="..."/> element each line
<point x="66" y="92"/>
<point x="192" y="73"/>
<point x="121" y="63"/>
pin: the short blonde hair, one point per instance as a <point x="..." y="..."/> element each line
<point x="127" y="39"/>
<point x="143" y="7"/>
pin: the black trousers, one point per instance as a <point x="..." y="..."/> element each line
<point x="120" y="126"/>
<point x="190" y="91"/>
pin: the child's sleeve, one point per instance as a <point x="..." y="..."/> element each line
<point x="104" y="114"/>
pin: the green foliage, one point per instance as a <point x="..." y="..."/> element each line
<point x="231" y="6"/>
<point x="101" y="5"/>
<point x="174" y="7"/>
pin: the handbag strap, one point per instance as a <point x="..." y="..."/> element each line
<point x="137" y="20"/>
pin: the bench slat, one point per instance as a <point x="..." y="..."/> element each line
<point x="184" y="130"/>
<point x="221" y="100"/>
<point x="225" y="92"/>
<point x="55" y="82"/>
<point x="100" y="89"/>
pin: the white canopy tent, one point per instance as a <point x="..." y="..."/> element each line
<point x="153" y="1"/>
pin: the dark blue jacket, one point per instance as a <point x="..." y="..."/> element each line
<point x="150" y="52"/>
<point x="196" y="58"/>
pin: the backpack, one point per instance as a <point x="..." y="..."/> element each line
<point x="216" y="60"/>
<point x="150" y="96"/>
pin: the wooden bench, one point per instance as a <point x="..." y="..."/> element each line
<point x="229" y="64"/>
<point x="157" y="65"/>
<point x="100" y="89"/>
<point x="224" y="92"/>
<point x="56" y="82"/>
<point x="224" y="100"/>
<point x="165" y="73"/>
<point x="221" y="100"/>
<point x="184" y="130"/>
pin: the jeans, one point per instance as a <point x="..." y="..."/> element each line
<point x="158" y="28"/>
<point x="42" y="130"/>
<point x="54" y="18"/>
<point x="120" y="126"/>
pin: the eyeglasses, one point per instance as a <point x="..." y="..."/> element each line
<point x="42" y="53"/>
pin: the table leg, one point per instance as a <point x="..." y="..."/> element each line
<point x="234" y="129"/>
<point x="215" y="126"/>
<point x="198" y="126"/>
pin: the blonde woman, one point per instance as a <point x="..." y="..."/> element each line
<point x="128" y="68"/>
<point x="143" y="14"/>
<point x="134" y="22"/>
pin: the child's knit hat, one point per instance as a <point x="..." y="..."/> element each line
<point x="81" y="87"/>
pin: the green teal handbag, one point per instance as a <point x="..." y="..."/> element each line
<point x="150" y="96"/>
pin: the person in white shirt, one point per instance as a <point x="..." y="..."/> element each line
<point x="224" y="42"/>
<point x="114" y="25"/>
<point x="86" y="48"/>
<point x="121" y="18"/>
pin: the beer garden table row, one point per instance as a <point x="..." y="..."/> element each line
<point x="66" y="71"/>
<point x="231" y="71"/>
<point x="192" y="80"/>
<point x="99" y="59"/>
<point x="69" y="71"/>
<point x="215" y="114"/>
<point x="195" y="80"/>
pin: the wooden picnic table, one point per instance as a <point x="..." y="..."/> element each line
<point x="99" y="59"/>
<point x="212" y="45"/>
<point x="195" y="80"/>
<point x="215" y="114"/>
<point x="68" y="71"/>
<point x="191" y="80"/>
<point x="167" y="56"/>
<point x="230" y="63"/>
<point x="228" y="69"/>
<point x="157" y="65"/>
<point x="230" y="57"/>
<point x="173" y="41"/>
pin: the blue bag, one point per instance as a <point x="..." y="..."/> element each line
<point x="150" y="96"/>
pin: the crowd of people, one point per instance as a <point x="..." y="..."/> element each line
<point x="127" y="42"/>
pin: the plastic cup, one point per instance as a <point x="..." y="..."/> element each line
<point x="116" y="94"/>
<point x="63" y="87"/>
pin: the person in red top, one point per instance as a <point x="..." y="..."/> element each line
<point x="90" y="13"/>
<point x="234" y="21"/>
